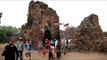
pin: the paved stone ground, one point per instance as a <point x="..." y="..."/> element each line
<point x="69" y="56"/>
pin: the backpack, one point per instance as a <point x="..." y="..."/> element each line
<point x="28" y="46"/>
<point x="52" y="41"/>
<point x="4" y="53"/>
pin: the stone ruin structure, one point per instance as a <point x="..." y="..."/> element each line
<point x="40" y="18"/>
<point x="89" y="35"/>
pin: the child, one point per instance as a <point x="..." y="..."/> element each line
<point x="58" y="52"/>
<point x="27" y="56"/>
<point x="44" y="52"/>
<point x="28" y="48"/>
<point x="53" y="50"/>
<point x="50" y="54"/>
<point x="40" y="47"/>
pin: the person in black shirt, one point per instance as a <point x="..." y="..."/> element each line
<point x="10" y="52"/>
<point x="58" y="52"/>
<point x="5" y="53"/>
<point x="50" y="54"/>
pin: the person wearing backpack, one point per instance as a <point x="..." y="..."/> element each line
<point x="52" y="42"/>
<point x="28" y="48"/>
<point x="10" y="51"/>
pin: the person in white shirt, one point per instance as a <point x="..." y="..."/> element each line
<point x="56" y="43"/>
<point x="20" y="47"/>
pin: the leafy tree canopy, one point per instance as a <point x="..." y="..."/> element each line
<point x="6" y="32"/>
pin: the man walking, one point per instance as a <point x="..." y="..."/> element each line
<point x="20" y="46"/>
<point x="10" y="51"/>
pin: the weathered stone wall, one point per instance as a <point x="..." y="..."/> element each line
<point x="39" y="16"/>
<point x="88" y="35"/>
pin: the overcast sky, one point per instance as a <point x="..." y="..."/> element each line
<point x="72" y="12"/>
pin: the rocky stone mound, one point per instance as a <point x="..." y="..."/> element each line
<point x="89" y="35"/>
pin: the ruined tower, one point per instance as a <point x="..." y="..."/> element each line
<point x="40" y="18"/>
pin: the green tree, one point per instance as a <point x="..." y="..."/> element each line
<point x="6" y="32"/>
<point x="105" y="34"/>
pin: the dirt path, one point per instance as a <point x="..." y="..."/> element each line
<point x="69" y="56"/>
<point x="75" y="56"/>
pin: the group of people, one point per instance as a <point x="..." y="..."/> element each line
<point x="65" y="45"/>
<point x="51" y="48"/>
<point x="15" y="51"/>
